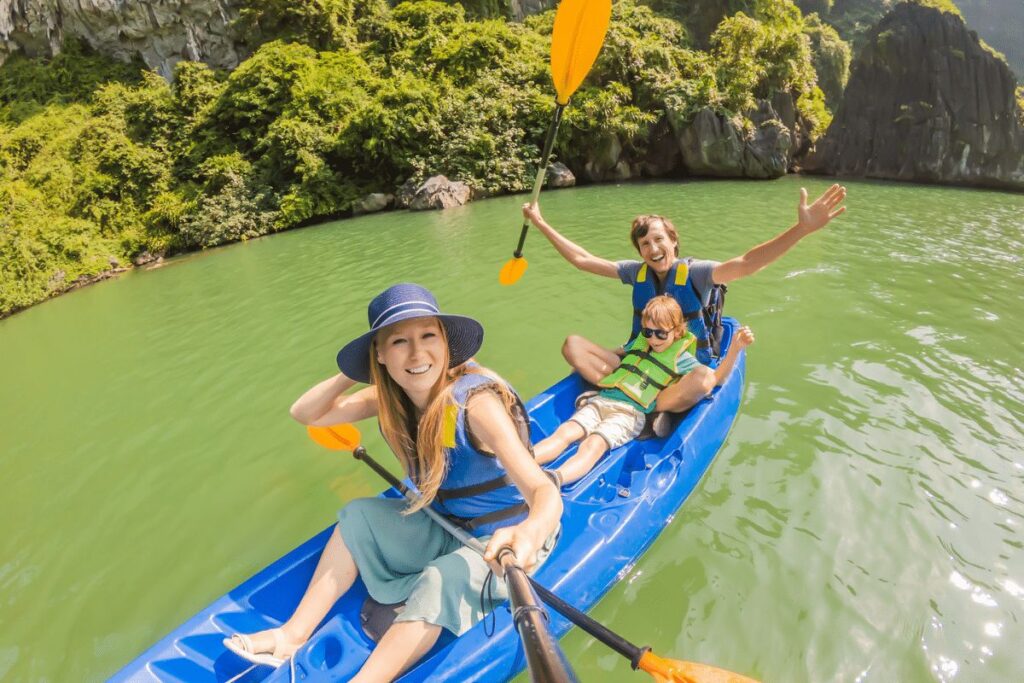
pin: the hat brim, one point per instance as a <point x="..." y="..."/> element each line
<point x="465" y="337"/>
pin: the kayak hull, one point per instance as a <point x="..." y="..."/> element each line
<point x="611" y="517"/>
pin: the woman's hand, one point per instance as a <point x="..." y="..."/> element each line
<point x="531" y="212"/>
<point x="523" y="541"/>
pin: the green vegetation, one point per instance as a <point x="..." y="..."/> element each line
<point x="101" y="162"/>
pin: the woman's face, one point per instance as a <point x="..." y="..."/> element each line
<point x="657" y="248"/>
<point x="415" y="354"/>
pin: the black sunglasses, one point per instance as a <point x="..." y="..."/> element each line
<point x="660" y="334"/>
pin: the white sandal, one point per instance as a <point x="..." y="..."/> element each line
<point x="241" y="645"/>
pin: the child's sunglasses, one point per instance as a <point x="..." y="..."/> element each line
<point x="660" y="334"/>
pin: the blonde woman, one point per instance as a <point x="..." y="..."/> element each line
<point x="459" y="432"/>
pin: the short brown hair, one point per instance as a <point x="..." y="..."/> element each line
<point x="643" y="224"/>
<point x="664" y="311"/>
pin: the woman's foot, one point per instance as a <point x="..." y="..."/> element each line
<point x="271" y="647"/>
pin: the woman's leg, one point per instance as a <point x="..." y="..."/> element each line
<point x="550" y="448"/>
<point x="402" y="646"/>
<point x="593" y="362"/>
<point x="335" y="573"/>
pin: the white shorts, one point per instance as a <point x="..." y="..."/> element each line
<point x="614" y="421"/>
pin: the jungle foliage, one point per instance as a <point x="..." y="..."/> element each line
<point x="101" y="162"/>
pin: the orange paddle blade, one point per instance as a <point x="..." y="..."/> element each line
<point x="512" y="271"/>
<point x="676" y="671"/>
<point x="579" y="31"/>
<point x="343" y="437"/>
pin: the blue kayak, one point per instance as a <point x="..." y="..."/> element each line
<point x="611" y="517"/>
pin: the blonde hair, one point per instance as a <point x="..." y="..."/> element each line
<point x="664" y="311"/>
<point x="643" y="224"/>
<point x="419" y="445"/>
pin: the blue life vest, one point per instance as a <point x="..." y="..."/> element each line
<point x="677" y="286"/>
<point x="476" y="492"/>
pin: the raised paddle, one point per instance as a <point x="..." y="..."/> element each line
<point x="343" y="436"/>
<point x="576" y="39"/>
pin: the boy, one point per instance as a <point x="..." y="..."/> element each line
<point x="659" y="356"/>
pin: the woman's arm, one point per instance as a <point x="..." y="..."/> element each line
<point x="810" y="219"/>
<point x="327" y="404"/>
<point x="491" y="423"/>
<point x="570" y="251"/>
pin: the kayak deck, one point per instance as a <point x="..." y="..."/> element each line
<point x="611" y="516"/>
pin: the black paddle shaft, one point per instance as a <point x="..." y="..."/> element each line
<point x="549" y="142"/>
<point x="594" y="628"/>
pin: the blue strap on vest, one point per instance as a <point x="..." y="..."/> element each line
<point x="476" y="492"/>
<point x="676" y="285"/>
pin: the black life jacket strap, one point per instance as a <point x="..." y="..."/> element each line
<point x="646" y="378"/>
<point x="471" y="523"/>
<point x="474" y="489"/>
<point x="704" y="343"/>
<point x="647" y="355"/>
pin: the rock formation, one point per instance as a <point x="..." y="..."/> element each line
<point x="926" y="102"/>
<point x="162" y="32"/>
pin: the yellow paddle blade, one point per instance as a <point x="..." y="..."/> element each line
<point x="579" y="31"/>
<point x="512" y="271"/>
<point x="676" y="671"/>
<point x="343" y="437"/>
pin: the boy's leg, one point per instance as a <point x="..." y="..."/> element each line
<point x="593" y="362"/>
<point x="587" y="455"/>
<point x="550" y="448"/>
<point x="688" y="391"/>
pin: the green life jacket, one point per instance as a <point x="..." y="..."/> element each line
<point x="644" y="373"/>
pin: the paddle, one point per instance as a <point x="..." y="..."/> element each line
<point x="544" y="658"/>
<point x="576" y="39"/>
<point x="345" y="437"/>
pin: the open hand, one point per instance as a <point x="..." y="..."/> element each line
<point x="824" y="209"/>
<point x="531" y="212"/>
<point x="744" y="337"/>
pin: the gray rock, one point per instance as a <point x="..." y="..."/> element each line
<point x="559" y="175"/>
<point x="926" y="102"/>
<point x="162" y="32"/>
<point x="520" y="9"/>
<point x="147" y="257"/>
<point x="373" y="202"/>
<point x="440" y="193"/>
<point x="405" y="193"/>
<point x="712" y="144"/>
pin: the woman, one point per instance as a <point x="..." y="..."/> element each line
<point x="453" y="427"/>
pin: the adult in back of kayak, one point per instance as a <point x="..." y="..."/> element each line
<point x="460" y="434"/>
<point x="689" y="281"/>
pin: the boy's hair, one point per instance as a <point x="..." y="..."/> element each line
<point x="643" y="224"/>
<point x="664" y="311"/>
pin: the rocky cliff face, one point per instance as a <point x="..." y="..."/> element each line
<point x="926" y="102"/>
<point x="162" y="32"/>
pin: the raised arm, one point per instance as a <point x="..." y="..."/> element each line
<point x="327" y="403"/>
<point x="491" y="423"/>
<point x="810" y="219"/>
<point x="570" y="251"/>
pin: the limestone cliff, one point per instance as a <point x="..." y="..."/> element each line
<point x="162" y="32"/>
<point x="926" y="102"/>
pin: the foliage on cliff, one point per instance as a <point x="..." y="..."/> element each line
<point x="101" y="162"/>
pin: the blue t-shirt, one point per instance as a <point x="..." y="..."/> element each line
<point x="700" y="275"/>
<point x="684" y="364"/>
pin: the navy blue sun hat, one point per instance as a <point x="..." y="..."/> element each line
<point x="406" y="301"/>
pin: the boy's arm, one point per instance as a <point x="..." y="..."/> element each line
<point x="570" y="251"/>
<point x="744" y="338"/>
<point x="810" y="219"/>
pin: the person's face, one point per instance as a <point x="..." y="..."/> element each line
<point x="658" y="345"/>
<point x="415" y="354"/>
<point x="657" y="249"/>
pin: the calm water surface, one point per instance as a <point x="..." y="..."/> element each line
<point x="862" y="523"/>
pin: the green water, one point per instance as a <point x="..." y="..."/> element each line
<point x="862" y="523"/>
